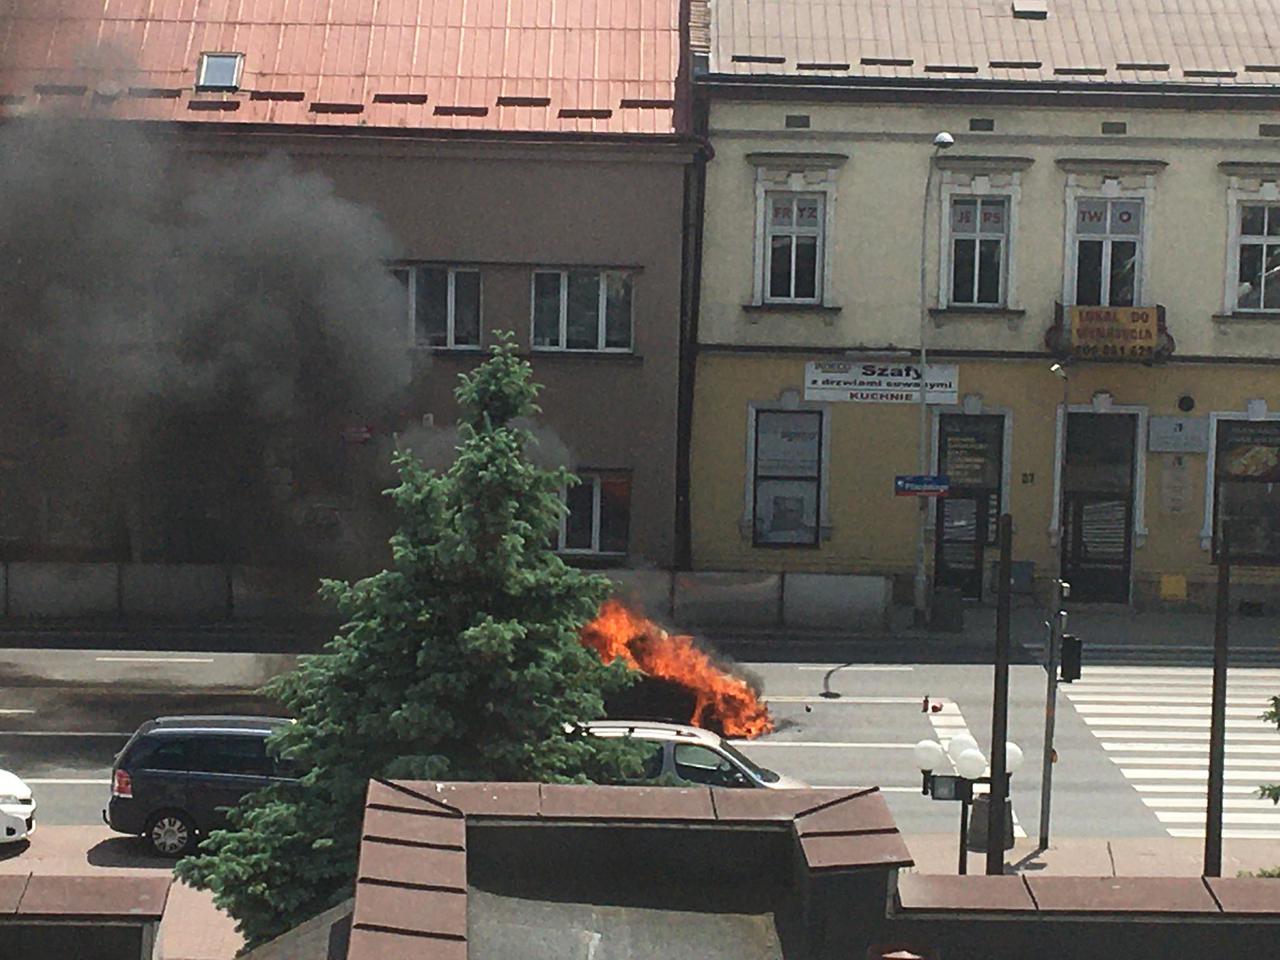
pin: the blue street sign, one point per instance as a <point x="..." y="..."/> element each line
<point x="921" y="485"/>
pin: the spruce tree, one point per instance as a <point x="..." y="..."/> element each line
<point x="460" y="661"/>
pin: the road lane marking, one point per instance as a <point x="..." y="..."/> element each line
<point x="1227" y="834"/>
<point x="1179" y="788"/>
<point x="860" y="668"/>
<point x="1198" y="803"/>
<point x="1177" y="816"/>
<point x="1200" y="761"/>
<point x="1233" y="736"/>
<point x="154" y="659"/>
<point x="66" y="782"/>
<point x="1188" y="747"/>
<point x="853" y="701"/>
<point x="1198" y="723"/>
<point x="7" y="711"/>
<point x="845" y="745"/>
<point x="1142" y="773"/>
<point x="1177" y="710"/>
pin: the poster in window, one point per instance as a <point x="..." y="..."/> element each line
<point x="788" y="444"/>
<point x="1247" y="502"/>
<point x="786" y="512"/>
<point x="971" y="450"/>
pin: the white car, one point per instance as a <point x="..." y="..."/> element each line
<point x="693" y="755"/>
<point x="17" y="809"/>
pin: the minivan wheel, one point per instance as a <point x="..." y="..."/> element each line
<point x="171" y="833"/>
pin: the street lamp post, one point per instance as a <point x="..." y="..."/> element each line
<point x="920" y="590"/>
<point x="963" y="755"/>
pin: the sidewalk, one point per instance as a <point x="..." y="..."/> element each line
<point x="192" y="928"/>
<point x="1096" y="857"/>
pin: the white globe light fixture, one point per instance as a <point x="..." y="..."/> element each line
<point x="971" y="764"/>
<point x="1012" y="757"/>
<point x="960" y="744"/>
<point x="929" y="755"/>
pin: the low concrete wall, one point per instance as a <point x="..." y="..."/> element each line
<point x="832" y="601"/>
<point x="707" y="599"/>
<point x="186" y="591"/>
<point x="645" y="591"/>
<point x="63" y="589"/>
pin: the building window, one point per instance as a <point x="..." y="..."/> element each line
<point x="598" y="518"/>
<point x="443" y="305"/>
<point x="1247" y="490"/>
<point x="979" y="244"/>
<point x="793" y="237"/>
<point x="1108" y="252"/>
<point x="1258" y="258"/>
<point x="787" y="480"/>
<point x="219" y="71"/>
<point x="582" y="310"/>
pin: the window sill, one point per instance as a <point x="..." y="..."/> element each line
<point x="460" y="351"/>
<point x="818" y="308"/>
<point x="1248" y="316"/>
<point x="941" y="315"/>
<point x="593" y="561"/>
<point x="606" y="356"/>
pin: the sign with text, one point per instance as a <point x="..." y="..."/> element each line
<point x="921" y="485"/>
<point x="1114" y="333"/>
<point x="1178" y="434"/>
<point x="880" y="381"/>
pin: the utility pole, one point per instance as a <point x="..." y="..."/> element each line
<point x="1056" y="625"/>
<point x="999" y="794"/>
<point x="1218" y="713"/>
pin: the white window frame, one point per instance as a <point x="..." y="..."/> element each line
<point x="980" y="188"/>
<point x="1265" y="194"/>
<point x="593" y="477"/>
<point x="1111" y="189"/>
<point x="788" y="402"/>
<point x="802" y="174"/>
<point x="202" y="70"/>
<point x="795" y="232"/>
<point x="602" y="273"/>
<point x="450" y="322"/>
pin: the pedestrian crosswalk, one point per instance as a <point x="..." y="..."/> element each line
<point x="1153" y="723"/>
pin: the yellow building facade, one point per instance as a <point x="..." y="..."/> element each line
<point x="1164" y="407"/>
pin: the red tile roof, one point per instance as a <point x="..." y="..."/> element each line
<point x="411" y="888"/>
<point x="1202" y="42"/>
<point x="532" y="66"/>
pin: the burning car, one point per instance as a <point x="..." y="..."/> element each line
<point x="17" y="809"/>
<point x="693" y="755"/>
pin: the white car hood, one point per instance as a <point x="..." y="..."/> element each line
<point x="11" y="785"/>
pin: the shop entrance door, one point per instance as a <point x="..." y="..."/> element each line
<point x="970" y="454"/>
<point x="1097" y="521"/>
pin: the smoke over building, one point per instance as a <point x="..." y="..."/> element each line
<point x="190" y="344"/>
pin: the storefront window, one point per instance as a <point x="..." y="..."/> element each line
<point x="1247" y="500"/>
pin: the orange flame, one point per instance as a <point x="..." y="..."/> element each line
<point x="722" y="701"/>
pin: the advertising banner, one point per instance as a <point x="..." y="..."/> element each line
<point x="880" y="381"/>
<point x="1114" y="333"/>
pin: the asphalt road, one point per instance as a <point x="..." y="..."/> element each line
<point x="1131" y="741"/>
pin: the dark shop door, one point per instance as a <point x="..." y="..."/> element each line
<point x="1097" y="522"/>
<point x="971" y="455"/>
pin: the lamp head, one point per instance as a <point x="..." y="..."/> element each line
<point x="943" y="141"/>
<point x="929" y="755"/>
<point x="971" y="764"/>
<point x="959" y="744"/>
<point x="1059" y="371"/>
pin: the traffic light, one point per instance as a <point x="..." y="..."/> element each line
<point x="1072" y="655"/>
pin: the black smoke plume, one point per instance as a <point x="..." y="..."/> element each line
<point x="192" y="343"/>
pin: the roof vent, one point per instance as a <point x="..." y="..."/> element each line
<point x="887" y="62"/>
<point x="219" y="71"/>
<point x="815" y="65"/>
<point x="982" y="124"/>
<point x="797" y="121"/>
<point x="1031" y="9"/>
